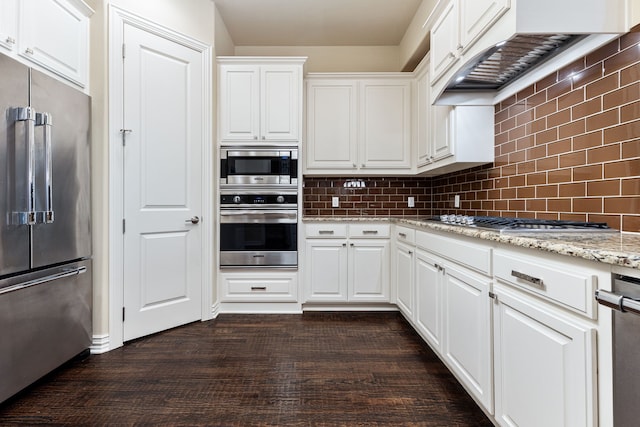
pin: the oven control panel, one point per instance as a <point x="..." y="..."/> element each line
<point x="257" y="200"/>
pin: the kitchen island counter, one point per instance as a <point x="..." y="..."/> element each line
<point x="620" y="249"/>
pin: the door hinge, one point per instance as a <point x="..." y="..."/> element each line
<point x="123" y="225"/>
<point x="123" y="51"/>
<point x="123" y="314"/>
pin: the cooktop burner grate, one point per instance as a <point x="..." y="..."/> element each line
<point x="522" y="224"/>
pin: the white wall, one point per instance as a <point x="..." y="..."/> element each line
<point x="193" y="18"/>
<point x="415" y="43"/>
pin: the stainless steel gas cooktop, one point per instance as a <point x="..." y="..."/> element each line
<point x="507" y="224"/>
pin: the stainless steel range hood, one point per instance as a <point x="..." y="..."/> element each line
<point x="508" y="60"/>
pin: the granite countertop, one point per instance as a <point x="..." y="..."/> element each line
<point x="621" y="249"/>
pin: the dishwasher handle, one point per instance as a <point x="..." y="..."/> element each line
<point x="618" y="302"/>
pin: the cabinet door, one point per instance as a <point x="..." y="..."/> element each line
<point x="332" y="125"/>
<point x="404" y="279"/>
<point x="423" y="119"/>
<point x="476" y="16"/>
<point x="467" y="331"/>
<point x="279" y="103"/>
<point x="369" y="270"/>
<point x="239" y="102"/>
<point x="442" y="142"/>
<point x="8" y="23"/>
<point x="444" y="41"/>
<point x="429" y="299"/>
<point x="326" y="270"/>
<point x="385" y="124"/>
<point x="544" y="366"/>
<point x="55" y="35"/>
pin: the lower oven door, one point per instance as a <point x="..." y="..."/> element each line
<point x="258" y="238"/>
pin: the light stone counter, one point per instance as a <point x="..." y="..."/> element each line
<point x="621" y="249"/>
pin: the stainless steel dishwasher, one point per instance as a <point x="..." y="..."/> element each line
<point x="625" y="300"/>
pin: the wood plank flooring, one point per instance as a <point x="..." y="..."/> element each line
<point x="314" y="369"/>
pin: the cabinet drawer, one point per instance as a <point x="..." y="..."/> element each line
<point x="326" y="230"/>
<point x="559" y="282"/>
<point x="247" y="287"/>
<point x="477" y="257"/>
<point x="369" y="230"/>
<point x="404" y="234"/>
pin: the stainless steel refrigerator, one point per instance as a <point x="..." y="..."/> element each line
<point x="45" y="225"/>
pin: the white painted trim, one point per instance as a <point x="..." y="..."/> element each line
<point x="117" y="19"/>
<point x="100" y="344"/>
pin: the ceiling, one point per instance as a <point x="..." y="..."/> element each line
<point x="317" y="22"/>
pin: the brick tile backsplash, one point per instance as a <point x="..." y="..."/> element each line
<point x="381" y="196"/>
<point x="579" y="155"/>
<point x="566" y="147"/>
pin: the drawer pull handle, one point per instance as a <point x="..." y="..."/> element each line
<point x="325" y="232"/>
<point x="258" y="288"/>
<point x="403" y="235"/>
<point x="369" y="231"/>
<point x="532" y="280"/>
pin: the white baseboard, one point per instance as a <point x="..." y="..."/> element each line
<point x="100" y="344"/>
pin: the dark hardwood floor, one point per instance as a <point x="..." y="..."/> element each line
<point x="315" y="369"/>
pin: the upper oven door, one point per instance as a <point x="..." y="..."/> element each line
<point x="258" y="167"/>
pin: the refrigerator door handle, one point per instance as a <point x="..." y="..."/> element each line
<point x="27" y="115"/>
<point x="41" y="280"/>
<point x="44" y="120"/>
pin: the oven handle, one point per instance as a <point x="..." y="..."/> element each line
<point x="618" y="302"/>
<point x="242" y="216"/>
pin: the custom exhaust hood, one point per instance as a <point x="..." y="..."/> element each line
<point x="484" y="52"/>
<point x="508" y="60"/>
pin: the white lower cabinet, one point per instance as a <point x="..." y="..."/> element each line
<point x="428" y="281"/>
<point x="404" y="278"/>
<point x="353" y="268"/>
<point x="544" y="364"/>
<point x="466" y="334"/>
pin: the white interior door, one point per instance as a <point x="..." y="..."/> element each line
<point x="163" y="109"/>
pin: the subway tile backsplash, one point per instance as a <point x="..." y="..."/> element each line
<point x="380" y="196"/>
<point x="566" y="147"/>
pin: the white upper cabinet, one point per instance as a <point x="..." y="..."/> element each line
<point x="260" y="100"/>
<point x="445" y="41"/>
<point x="359" y="124"/>
<point x="385" y="124"/>
<point x="52" y="34"/>
<point x="459" y="25"/>
<point x="8" y="24"/>
<point x="476" y="16"/>
<point x="332" y="132"/>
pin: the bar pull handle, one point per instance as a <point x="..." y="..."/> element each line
<point x="618" y="302"/>
<point x="369" y="231"/>
<point x="535" y="281"/>
<point x="27" y="116"/>
<point x="258" y="256"/>
<point x="44" y="120"/>
<point x="258" y="288"/>
<point x="325" y="232"/>
<point x="403" y="235"/>
<point x="40" y="281"/>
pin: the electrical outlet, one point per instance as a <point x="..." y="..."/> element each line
<point x="411" y="201"/>
<point x="335" y="202"/>
<point x="456" y="201"/>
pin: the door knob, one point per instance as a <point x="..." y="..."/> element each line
<point x="193" y="220"/>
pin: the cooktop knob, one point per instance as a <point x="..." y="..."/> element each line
<point x="236" y="199"/>
<point x="280" y="199"/>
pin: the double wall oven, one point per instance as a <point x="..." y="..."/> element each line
<point x="258" y="207"/>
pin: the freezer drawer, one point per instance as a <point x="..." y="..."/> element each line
<point x="45" y="320"/>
